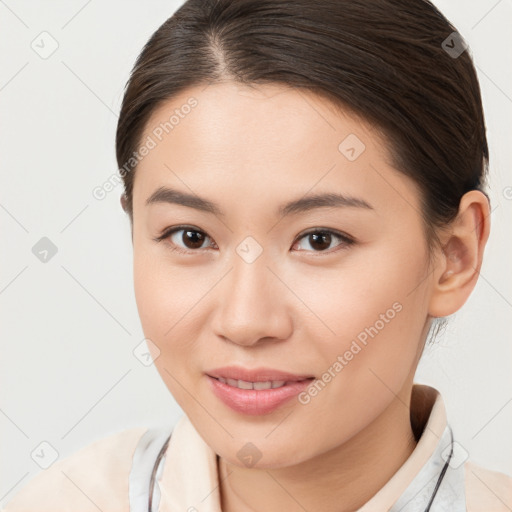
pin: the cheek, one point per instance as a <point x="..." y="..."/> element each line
<point x="157" y="297"/>
<point x="165" y="306"/>
<point x="164" y="292"/>
<point x="375" y="313"/>
<point x="170" y="300"/>
<point x="375" y="286"/>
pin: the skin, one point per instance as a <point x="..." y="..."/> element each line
<point x="298" y="305"/>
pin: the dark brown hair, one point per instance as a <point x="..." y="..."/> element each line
<point x="388" y="61"/>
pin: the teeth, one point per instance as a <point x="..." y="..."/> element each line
<point x="243" y="384"/>
<point x="262" y="385"/>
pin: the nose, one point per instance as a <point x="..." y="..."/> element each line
<point x="254" y="305"/>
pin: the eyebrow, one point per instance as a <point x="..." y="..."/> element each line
<point x="296" y="206"/>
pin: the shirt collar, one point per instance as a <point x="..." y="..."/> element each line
<point x="190" y="479"/>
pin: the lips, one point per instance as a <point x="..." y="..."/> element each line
<point x="257" y="391"/>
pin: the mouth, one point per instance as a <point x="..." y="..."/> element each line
<point x="246" y="376"/>
<point x="258" y="391"/>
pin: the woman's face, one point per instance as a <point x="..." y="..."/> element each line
<point x="333" y="290"/>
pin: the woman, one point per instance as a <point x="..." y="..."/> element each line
<point x="305" y="186"/>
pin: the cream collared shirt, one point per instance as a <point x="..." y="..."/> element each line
<point x="114" y="473"/>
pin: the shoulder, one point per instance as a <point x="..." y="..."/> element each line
<point x="486" y="489"/>
<point x="93" y="478"/>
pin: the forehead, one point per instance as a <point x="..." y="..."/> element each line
<point x="268" y="140"/>
<point x="254" y="118"/>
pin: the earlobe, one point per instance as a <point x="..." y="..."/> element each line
<point x="123" y="201"/>
<point x="461" y="256"/>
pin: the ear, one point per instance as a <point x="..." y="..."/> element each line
<point x="461" y="255"/>
<point x="124" y="205"/>
<point x="123" y="201"/>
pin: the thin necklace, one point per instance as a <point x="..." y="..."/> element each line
<point x="441" y="476"/>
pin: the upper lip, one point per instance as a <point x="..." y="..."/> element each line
<point x="255" y="374"/>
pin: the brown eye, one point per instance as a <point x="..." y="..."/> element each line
<point x="185" y="239"/>
<point x="192" y="239"/>
<point x="321" y="240"/>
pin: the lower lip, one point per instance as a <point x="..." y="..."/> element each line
<point x="256" y="401"/>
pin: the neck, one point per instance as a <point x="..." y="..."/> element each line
<point x="340" y="480"/>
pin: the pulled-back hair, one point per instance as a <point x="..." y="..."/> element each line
<point x="398" y="64"/>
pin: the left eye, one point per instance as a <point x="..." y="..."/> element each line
<point x="319" y="238"/>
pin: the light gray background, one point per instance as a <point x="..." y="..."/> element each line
<point x="69" y="326"/>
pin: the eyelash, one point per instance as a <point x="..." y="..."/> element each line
<point x="347" y="241"/>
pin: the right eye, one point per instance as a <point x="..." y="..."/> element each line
<point x="191" y="237"/>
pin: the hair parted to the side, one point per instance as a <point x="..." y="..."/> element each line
<point x="382" y="60"/>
